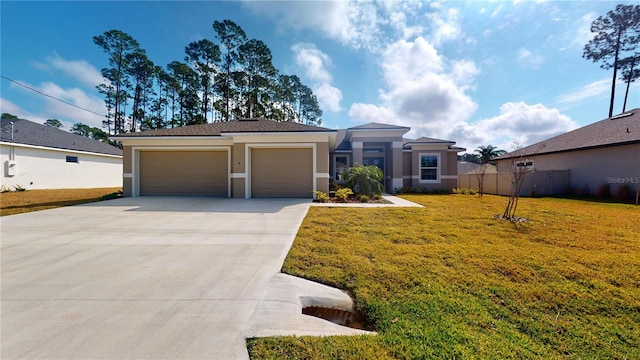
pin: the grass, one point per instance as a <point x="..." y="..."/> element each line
<point x="450" y="281"/>
<point x="33" y="200"/>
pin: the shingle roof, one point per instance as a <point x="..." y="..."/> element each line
<point x="427" y="140"/>
<point x="30" y="133"/>
<point x="618" y="130"/>
<point x="235" y="126"/>
<point x="378" y="126"/>
<point x="342" y="144"/>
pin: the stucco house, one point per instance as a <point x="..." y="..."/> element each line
<point x="264" y="158"/>
<point x="35" y="156"/>
<point x="605" y="152"/>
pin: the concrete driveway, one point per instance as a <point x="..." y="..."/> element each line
<point x="154" y="277"/>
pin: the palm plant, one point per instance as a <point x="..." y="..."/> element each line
<point x="488" y="153"/>
<point x="364" y="180"/>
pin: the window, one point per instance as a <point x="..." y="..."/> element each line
<point x="341" y="165"/>
<point x="429" y="167"/>
<point x="72" y="159"/>
<point x="372" y="150"/>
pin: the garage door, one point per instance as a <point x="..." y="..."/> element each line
<point x="281" y="173"/>
<point x="184" y="173"/>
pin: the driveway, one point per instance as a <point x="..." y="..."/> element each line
<point x="154" y="277"/>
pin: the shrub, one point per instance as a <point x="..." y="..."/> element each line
<point x="19" y="188"/>
<point x="377" y="197"/>
<point x="464" y="191"/>
<point x="321" y="196"/>
<point x="114" y="195"/>
<point x="364" y="180"/>
<point x="343" y="194"/>
<point x="363" y="198"/>
<point x="4" y="189"/>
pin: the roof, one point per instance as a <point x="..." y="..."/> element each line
<point x="426" y="140"/>
<point x="342" y="143"/>
<point x="618" y="130"/>
<point x="465" y="167"/>
<point x="29" y="133"/>
<point x="378" y="126"/>
<point x="234" y="126"/>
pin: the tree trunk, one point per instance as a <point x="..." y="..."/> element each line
<point x="626" y="94"/>
<point x="615" y="73"/>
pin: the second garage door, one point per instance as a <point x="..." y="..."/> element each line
<point x="286" y="172"/>
<point x="184" y="173"/>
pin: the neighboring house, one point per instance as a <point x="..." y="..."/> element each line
<point x="469" y="167"/>
<point x="605" y="152"/>
<point x="265" y="158"/>
<point x="36" y="156"/>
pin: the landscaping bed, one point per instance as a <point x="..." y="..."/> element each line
<point x="450" y="281"/>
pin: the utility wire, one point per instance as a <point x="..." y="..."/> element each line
<point x="49" y="96"/>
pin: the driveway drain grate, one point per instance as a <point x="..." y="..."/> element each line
<point x="352" y="319"/>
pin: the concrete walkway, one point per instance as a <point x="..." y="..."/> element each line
<point x="154" y="278"/>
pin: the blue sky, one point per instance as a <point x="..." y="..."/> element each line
<point x="473" y="72"/>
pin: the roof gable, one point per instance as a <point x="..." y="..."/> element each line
<point x="617" y="130"/>
<point x="30" y="133"/>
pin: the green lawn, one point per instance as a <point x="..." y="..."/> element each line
<point x="12" y="203"/>
<point x="450" y="281"/>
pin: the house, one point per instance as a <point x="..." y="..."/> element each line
<point x="264" y="158"/>
<point x="605" y="153"/>
<point x="35" y="156"/>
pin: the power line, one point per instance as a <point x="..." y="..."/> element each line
<point x="50" y="96"/>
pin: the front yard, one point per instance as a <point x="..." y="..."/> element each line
<point x="450" y="281"/>
<point x="33" y="200"/>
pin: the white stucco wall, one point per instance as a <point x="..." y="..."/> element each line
<point x="44" y="168"/>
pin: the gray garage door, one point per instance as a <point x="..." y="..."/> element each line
<point x="282" y="172"/>
<point x="184" y="173"/>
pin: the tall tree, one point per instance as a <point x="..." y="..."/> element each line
<point x="141" y="70"/>
<point x="186" y="81"/>
<point x="255" y="58"/>
<point x="119" y="46"/>
<point x="53" y="123"/>
<point x="231" y="36"/>
<point x="616" y="33"/>
<point x="204" y="57"/>
<point x="629" y="72"/>
<point x="90" y="132"/>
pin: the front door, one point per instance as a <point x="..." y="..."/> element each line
<point x="377" y="161"/>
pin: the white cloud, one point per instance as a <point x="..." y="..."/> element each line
<point x="67" y="114"/>
<point x="315" y="65"/>
<point x="422" y="90"/>
<point x="530" y="59"/>
<point x="77" y="69"/>
<point x="583" y="33"/>
<point x="445" y="26"/>
<point x="329" y="97"/>
<point x="6" y="106"/>
<point x="313" y="61"/>
<point x="517" y="121"/>
<point x="353" y="24"/>
<point x="593" y="89"/>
